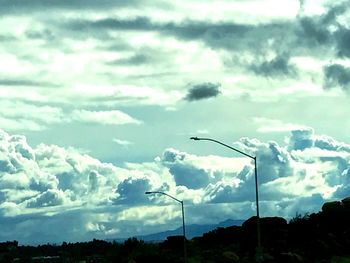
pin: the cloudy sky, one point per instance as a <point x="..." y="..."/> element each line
<point x="98" y="100"/>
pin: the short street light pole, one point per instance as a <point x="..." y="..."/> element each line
<point x="183" y="218"/>
<point x="256" y="187"/>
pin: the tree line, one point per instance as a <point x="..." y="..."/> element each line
<point x="317" y="237"/>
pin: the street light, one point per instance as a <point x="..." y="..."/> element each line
<point x="183" y="218"/>
<point x="256" y="187"/>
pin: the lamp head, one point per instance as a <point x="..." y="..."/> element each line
<point x="194" y="138"/>
<point x="147" y="193"/>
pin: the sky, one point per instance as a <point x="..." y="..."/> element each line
<point x="98" y="100"/>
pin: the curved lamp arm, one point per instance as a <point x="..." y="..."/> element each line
<point x="162" y="193"/>
<point x="256" y="184"/>
<point x="228" y="146"/>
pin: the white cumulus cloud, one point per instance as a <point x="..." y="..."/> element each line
<point x="113" y="117"/>
<point x="47" y="185"/>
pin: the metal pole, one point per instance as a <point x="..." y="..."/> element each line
<point x="184" y="231"/>
<point x="183" y="218"/>
<point x="258" y="252"/>
<point x="259" y="248"/>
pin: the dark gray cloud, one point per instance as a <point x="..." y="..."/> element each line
<point x="188" y="30"/>
<point x="337" y="75"/>
<point x="134" y="60"/>
<point x="138" y="24"/>
<point x="273" y="160"/>
<point x="7" y="167"/>
<point x="213" y="34"/>
<point x="115" y="44"/>
<point x="17" y="6"/>
<point x="226" y="193"/>
<point x="301" y="139"/>
<point x="24" y="82"/>
<point x="220" y="35"/>
<point x="132" y="191"/>
<point x="49" y="198"/>
<point x="225" y="35"/>
<point x="316" y="30"/>
<point x="313" y="32"/>
<point x="7" y="38"/>
<point x="343" y="45"/>
<point x="305" y="138"/>
<point x="306" y="34"/>
<point x="326" y="31"/>
<point x="279" y="66"/>
<point x="183" y="171"/>
<point x="203" y="91"/>
<point x="46" y="34"/>
<point x="303" y="35"/>
<point x="189" y="176"/>
<point x="287" y="38"/>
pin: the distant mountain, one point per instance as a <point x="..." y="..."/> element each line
<point x="194" y="230"/>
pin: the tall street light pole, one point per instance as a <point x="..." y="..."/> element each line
<point x="256" y="187"/>
<point x="183" y="218"/>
